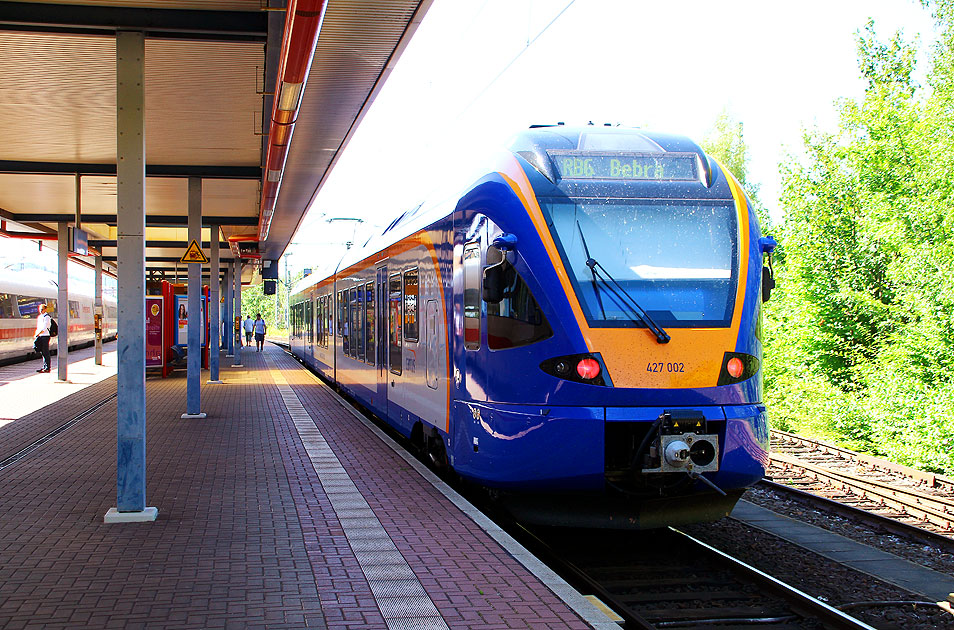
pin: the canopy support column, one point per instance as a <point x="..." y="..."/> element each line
<point x="237" y="292"/>
<point x="215" y="311"/>
<point x="98" y="307"/>
<point x="62" y="301"/>
<point x="194" y="330"/>
<point x="131" y="265"/>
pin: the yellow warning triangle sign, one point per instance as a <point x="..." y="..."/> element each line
<point x="194" y="254"/>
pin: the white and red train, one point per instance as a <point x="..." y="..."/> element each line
<point x="22" y="294"/>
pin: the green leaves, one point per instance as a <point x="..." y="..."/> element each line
<point x="860" y="342"/>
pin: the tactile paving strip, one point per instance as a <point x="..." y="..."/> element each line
<point x="400" y="596"/>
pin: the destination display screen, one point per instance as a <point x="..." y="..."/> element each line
<point x="625" y="166"/>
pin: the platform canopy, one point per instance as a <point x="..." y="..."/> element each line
<point x="212" y="69"/>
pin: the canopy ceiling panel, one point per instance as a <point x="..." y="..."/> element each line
<point x="210" y="71"/>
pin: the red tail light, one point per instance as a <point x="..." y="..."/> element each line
<point x="588" y="368"/>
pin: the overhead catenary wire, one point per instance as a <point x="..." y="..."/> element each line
<point x="514" y="60"/>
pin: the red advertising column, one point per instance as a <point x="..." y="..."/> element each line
<point x="155" y="342"/>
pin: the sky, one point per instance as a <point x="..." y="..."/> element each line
<point x="478" y="71"/>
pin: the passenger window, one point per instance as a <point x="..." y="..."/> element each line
<point x="394" y="324"/>
<point x="472" y="296"/>
<point x="6" y="306"/>
<point x="516" y="320"/>
<point x="410" y="305"/>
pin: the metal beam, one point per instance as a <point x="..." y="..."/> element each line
<point x="152" y="220"/>
<point x="152" y="170"/>
<point x="157" y="259"/>
<point x="97" y="244"/>
<point x="154" y="23"/>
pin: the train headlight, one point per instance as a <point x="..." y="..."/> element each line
<point x="737" y="367"/>
<point x="585" y="368"/>
<point x="734" y="367"/>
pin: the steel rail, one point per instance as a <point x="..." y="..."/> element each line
<point x="22" y="453"/>
<point x="887" y="523"/>
<point x="801" y="602"/>
<point x="938" y="510"/>
<point x="931" y="479"/>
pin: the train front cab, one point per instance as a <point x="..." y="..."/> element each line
<point x="565" y="452"/>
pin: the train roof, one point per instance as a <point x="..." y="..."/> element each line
<point x="533" y="145"/>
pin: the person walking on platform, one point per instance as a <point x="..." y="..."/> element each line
<point x="248" y="324"/>
<point x="41" y="338"/>
<point x="259" y="332"/>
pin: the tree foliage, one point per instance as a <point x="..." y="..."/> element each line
<point x="860" y="336"/>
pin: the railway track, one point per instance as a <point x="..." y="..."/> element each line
<point x="667" y="579"/>
<point x="906" y="495"/>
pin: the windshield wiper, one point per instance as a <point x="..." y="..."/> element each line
<point x="622" y="297"/>
<point x="596" y="287"/>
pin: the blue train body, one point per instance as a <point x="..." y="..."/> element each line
<point x="578" y="330"/>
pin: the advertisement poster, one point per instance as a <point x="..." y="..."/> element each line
<point x="153" y="331"/>
<point x="182" y="321"/>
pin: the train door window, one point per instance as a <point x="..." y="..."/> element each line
<point x="369" y="320"/>
<point x="323" y="319"/>
<point x="395" y="310"/>
<point x="6" y="306"/>
<point x="74" y="309"/>
<point x="310" y="321"/>
<point x="340" y="313"/>
<point x="329" y="300"/>
<point x="410" y="305"/>
<point x="472" y="296"/>
<point x="516" y="320"/>
<point x="431" y="343"/>
<point x="359" y="317"/>
<point x="349" y="322"/>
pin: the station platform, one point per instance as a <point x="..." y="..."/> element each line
<point x="283" y="508"/>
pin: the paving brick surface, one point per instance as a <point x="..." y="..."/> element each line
<point x="246" y="536"/>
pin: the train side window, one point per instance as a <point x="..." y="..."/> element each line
<point x="6" y="306"/>
<point x="369" y="321"/>
<point x="472" y="296"/>
<point x="516" y="320"/>
<point x="411" y="326"/>
<point x="29" y="307"/>
<point x="395" y="302"/>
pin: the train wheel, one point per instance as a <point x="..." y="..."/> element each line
<point x="437" y="453"/>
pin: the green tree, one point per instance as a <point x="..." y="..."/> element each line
<point x="862" y="337"/>
<point x="726" y="143"/>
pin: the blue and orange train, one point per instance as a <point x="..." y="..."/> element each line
<point x="578" y="331"/>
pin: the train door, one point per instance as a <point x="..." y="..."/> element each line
<point x="468" y="309"/>
<point x="381" y="334"/>
<point x="313" y="328"/>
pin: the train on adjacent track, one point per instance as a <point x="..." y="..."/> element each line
<point x="577" y="331"/>
<point x="22" y="294"/>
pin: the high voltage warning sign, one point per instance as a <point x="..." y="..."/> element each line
<point x="194" y="254"/>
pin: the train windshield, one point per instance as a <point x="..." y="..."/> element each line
<point x="677" y="259"/>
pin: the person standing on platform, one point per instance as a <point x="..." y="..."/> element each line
<point x="259" y="332"/>
<point x="249" y="326"/>
<point x="41" y="338"/>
